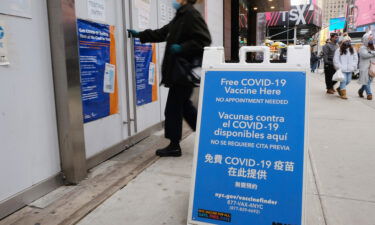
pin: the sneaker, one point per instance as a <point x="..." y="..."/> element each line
<point x="330" y="91"/>
<point x="171" y="150"/>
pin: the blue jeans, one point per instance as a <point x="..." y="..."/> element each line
<point x="367" y="87"/>
<point x="348" y="78"/>
<point x="314" y="66"/>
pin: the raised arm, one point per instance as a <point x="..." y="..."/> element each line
<point x="158" y="35"/>
<point x="365" y="53"/>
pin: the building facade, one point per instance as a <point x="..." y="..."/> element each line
<point x="333" y="9"/>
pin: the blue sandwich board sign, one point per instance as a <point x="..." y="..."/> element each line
<point x="250" y="148"/>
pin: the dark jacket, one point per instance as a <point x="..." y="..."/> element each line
<point x="328" y="53"/>
<point x="187" y="29"/>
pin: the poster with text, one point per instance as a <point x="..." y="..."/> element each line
<point x="97" y="57"/>
<point x="250" y="158"/>
<point x="145" y="73"/>
<point x="96" y="9"/>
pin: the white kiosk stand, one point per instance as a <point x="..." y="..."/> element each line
<point x="251" y="143"/>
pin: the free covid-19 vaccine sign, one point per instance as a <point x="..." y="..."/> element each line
<point x="250" y="150"/>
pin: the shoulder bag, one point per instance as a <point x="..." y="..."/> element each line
<point x="371" y="69"/>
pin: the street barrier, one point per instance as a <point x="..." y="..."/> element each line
<point x="251" y="141"/>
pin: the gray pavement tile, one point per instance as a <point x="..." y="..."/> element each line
<point x="159" y="195"/>
<point x="323" y="106"/>
<point x="136" y="150"/>
<point x="313" y="210"/>
<point x="343" y="211"/>
<point x="179" y="166"/>
<point x="342" y="146"/>
<point x="344" y="157"/>
<point x="339" y="110"/>
<point x="152" y="199"/>
<point x="311" y="185"/>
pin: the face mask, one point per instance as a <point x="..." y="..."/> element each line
<point x="176" y="5"/>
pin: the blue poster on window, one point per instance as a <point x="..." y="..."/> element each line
<point x="97" y="61"/>
<point x="250" y="158"/>
<point x="145" y="72"/>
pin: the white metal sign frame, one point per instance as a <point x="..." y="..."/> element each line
<point x="214" y="60"/>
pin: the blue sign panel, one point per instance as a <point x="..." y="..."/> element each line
<point x="250" y="159"/>
<point x="94" y="53"/>
<point x="143" y="64"/>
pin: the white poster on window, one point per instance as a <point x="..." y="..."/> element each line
<point x="151" y="74"/>
<point x="144" y="10"/>
<point x="109" y="78"/>
<point x="20" y="8"/>
<point x="96" y="9"/>
<point x="3" y="45"/>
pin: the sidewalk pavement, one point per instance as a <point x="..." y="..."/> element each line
<point x="341" y="166"/>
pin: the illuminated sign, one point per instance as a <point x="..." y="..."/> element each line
<point x="298" y="15"/>
<point x="336" y="24"/>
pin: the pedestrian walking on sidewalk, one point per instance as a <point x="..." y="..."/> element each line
<point x="328" y="53"/>
<point x="366" y="56"/>
<point x="186" y="36"/>
<point x="346" y="60"/>
<point x="314" y="59"/>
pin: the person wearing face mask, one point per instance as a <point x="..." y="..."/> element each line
<point x="328" y="53"/>
<point x="186" y="36"/>
<point x="346" y="60"/>
<point x="366" y="55"/>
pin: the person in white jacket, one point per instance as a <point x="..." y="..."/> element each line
<point x="346" y="60"/>
<point x="366" y="55"/>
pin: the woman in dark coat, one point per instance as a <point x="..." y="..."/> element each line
<point x="186" y="36"/>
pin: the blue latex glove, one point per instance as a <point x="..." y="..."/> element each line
<point x="175" y="48"/>
<point x="133" y="33"/>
